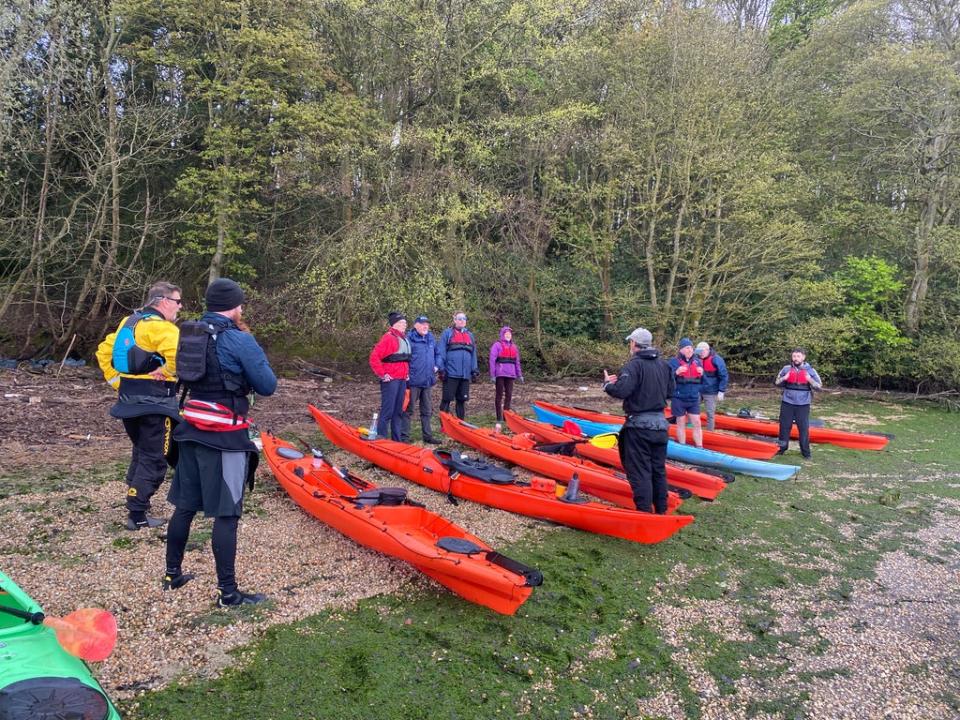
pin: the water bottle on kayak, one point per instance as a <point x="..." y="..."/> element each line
<point x="372" y="432"/>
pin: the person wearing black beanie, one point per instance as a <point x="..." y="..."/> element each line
<point x="219" y="364"/>
<point x="390" y="361"/>
<point x="224" y="294"/>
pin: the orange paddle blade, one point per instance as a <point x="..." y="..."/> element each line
<point x="88" y="633"/>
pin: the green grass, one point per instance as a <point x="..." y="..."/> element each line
<point x="40" y="480"/>
<point x="439" y="657"/>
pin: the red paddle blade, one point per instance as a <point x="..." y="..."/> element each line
<point x="89" y="634"/>
<point x="571" y="428"/>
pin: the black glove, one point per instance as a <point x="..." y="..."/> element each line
<point x="474" y="376"/>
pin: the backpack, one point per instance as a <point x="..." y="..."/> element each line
<point x="192" y="350"/>
<point x="128" y="358"/>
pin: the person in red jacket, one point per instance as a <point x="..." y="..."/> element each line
<point x="390" y="361"/>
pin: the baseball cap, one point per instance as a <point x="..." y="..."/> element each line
<point x="641" y="336"/>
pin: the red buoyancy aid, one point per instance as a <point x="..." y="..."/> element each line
<point x="797" y="379"/>
<point x="508" y="353"/>
<point x="460" y="340"/>
<point x="709" y="368"/>
<point x="689" y="368"/>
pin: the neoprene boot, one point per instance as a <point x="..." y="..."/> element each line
<point x="237" y="598"/>
<point x="135" y="523"/>
<point x="175" y="581"/>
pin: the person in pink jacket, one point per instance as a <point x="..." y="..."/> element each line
<point x="504" y="369"/>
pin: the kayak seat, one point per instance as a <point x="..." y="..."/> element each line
<point x="458" y="545"/>
<point x="561" y="448"/>
<point x="479" y="469"/>
<point x="531" y="576"/>
<point x="381" y="496"/>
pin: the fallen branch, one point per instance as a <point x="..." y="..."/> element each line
<point x="67" y="353"/>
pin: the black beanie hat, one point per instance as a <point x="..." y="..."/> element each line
<point x="224" y="294"/>
<point x="395" y="317"/>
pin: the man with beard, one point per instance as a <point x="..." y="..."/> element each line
<point x="220" y="363"/>
<point x="798" y="380"/>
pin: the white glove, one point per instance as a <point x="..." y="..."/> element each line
<point x="719" y="397"/>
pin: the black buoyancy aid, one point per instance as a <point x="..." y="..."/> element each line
<point x="797" y="379"/>
<point x="460" y="340"/>
<point x="402" y="354"/>
<point x="215" y="384"/>
<point x="508" y="354"/>
<point x="709" y="369"/>
<point x="689" y="374"/>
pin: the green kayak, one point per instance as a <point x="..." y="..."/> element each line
<point x="39" y="680"/>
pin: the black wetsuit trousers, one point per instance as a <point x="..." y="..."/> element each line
<point x="455" y="388"/>
<point x="799" y="414"/>
<point x="224" y="542"/>
<point x="644" y="457"/>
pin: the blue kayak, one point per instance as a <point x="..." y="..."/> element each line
<point x="681" y="453"/>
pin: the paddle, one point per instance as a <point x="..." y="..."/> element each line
<point x="318" y="457"/>
<point x="605" y="441"/>
<point x="89" y="633"/>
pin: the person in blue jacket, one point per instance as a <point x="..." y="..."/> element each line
<point x="685" y="405"/>
<point x="714" y="381"/>
<point x="217" y="460"/>
<point x="458" y="364"/>
<point x="424" y="363"/>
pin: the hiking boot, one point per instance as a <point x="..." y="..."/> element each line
<point x="175" y="581"/>
<point x="431" y="441"/>
<point x="781" y="451"/>
<point x="808" y="456"/>
<point x="237" y="598"/>
<point x="146" y="522"/>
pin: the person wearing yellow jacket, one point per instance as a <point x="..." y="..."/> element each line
<point x="139" y="361"/>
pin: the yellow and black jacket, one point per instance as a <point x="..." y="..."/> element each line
<point x="142" y="394"/>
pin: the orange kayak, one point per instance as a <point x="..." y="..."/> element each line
<point x="829" y="436"/>
<point x="520" y="449"/>
<point x="720" y="442"/>
<point x="448" y="472"/>
<point x="699" y="483"/>
<point x="384" y="520"/>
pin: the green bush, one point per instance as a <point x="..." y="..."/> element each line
<point x="582" y="356"/>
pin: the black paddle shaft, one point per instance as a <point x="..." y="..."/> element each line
<point x="35" y="618"/>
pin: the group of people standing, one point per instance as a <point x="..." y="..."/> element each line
<point x="408" y="364"/>
<point x="700" y="375"/>
<point x="648" y="382"/>
<point x="216" y="364"/>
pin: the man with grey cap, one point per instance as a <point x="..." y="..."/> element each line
<point x="713" y="384"/>
<point x="644" y="384"/>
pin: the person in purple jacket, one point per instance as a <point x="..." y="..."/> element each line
<point x="504" y="369"/>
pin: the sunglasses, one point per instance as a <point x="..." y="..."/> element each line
<point x="178" y="301"/>
<point x="460" y="317"/>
